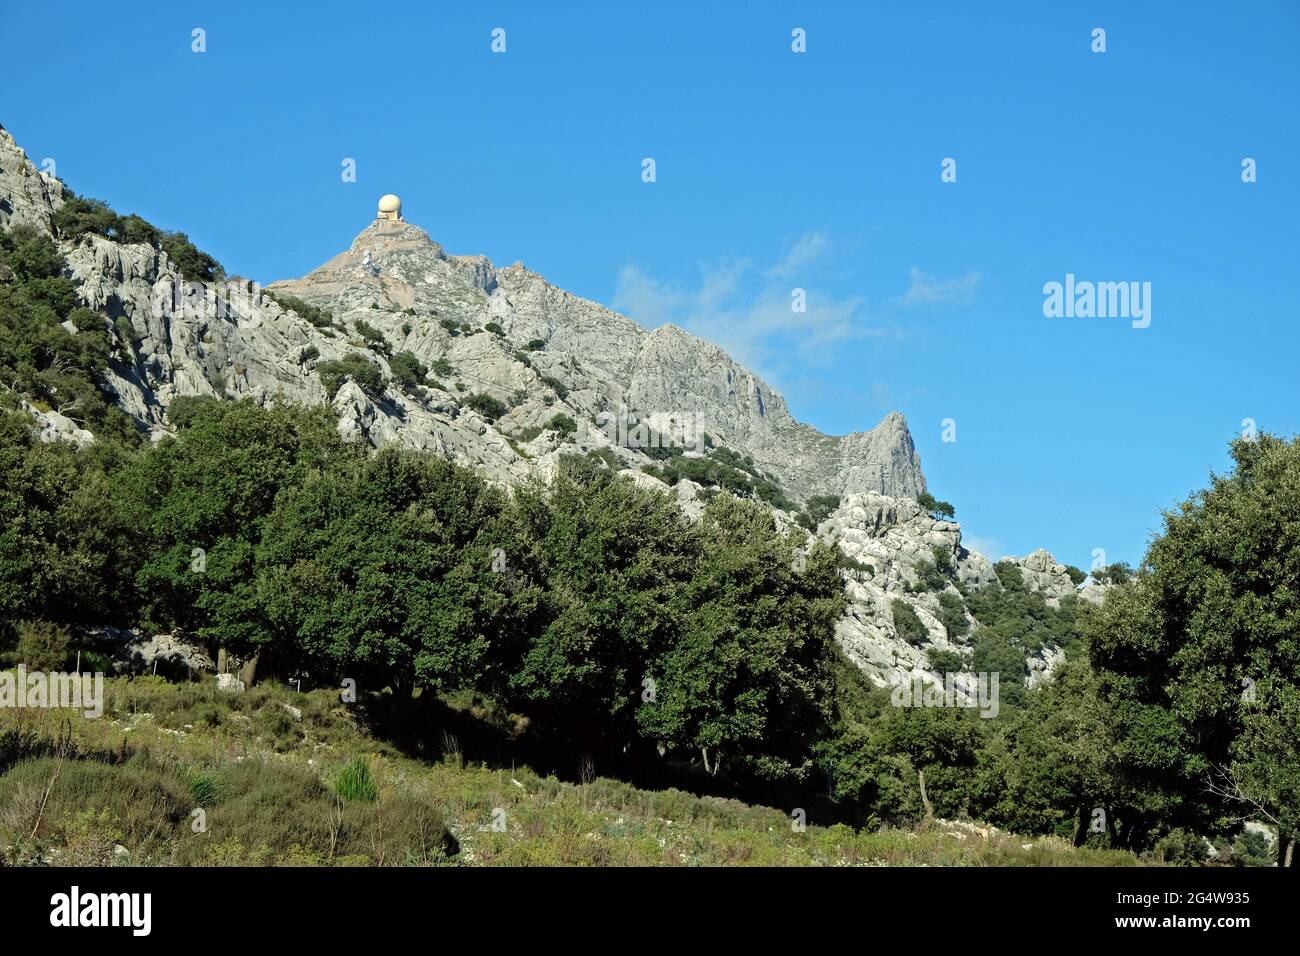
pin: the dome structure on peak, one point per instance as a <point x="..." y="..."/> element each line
<point x="390" y="207"/>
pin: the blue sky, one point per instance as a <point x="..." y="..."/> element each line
<point x="775" y="170"/>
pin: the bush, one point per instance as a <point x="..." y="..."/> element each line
<point x="907" y="624"/>
<point x="562" y="423"/>
<point x="558" y="387"/>
<point x="42" y="646"/>
<point x="189" y="261"/>
<point x="495" y="328"/>
<point x="1182" y="848"/>
<point x="535" y="345"/>
<point x="408" y="370"/>
<point x="354" y="366"/>
<point x="442" y="368"/>
<point x="318" y="318"/>
<point x="354" y="781"/>
<point x="487" y="406"/>
<point x="451" y="325"/>
<point x="952" y="615"/>
<point x="1117" y="573"/>
<point x="945" y="662"/>
<point x="91" y="807"/>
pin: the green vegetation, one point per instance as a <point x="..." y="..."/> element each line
<point x="408" y="371"/>
<point x="355" y="367"/>
<point x="1117" y="573"/>
<point x="79" y="216"/>
<point x="535" y="345"/>
<point x="318" y="318"/>
<point x="355" y="782"/>
<point x="487" y="406"/>
<point x="907" y="624"/>
<point x="952" y="615"/>
<point x="372" y="336"/>
<point x="816" y="509"/>
<point x="270" y="796"/>
<point x="554" y="384"/>
<point x="1197" y="658"/>
<point x="40" y="358"/>
<point x="939" y="510"/>
<point x="723" y="469"/>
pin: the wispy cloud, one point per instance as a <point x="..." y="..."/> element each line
<point x="929" y="290"/>
<point x="747" y="307"/>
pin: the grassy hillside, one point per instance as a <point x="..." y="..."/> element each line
<point x="289" y="778"/>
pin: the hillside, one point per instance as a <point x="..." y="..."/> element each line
<point x="265" y="768"/>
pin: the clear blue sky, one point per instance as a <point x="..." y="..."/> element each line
<point x="774" y="170"/>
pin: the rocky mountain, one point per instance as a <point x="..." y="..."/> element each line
<point x="503" y="372"/>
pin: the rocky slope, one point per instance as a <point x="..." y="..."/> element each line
<point x="511" y="336"/>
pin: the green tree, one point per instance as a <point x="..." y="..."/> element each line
<point x="939" y="510"/>
<point x="377" y="569"/>
<point x="1198" y="657"/>
<point x="749" y="679"/>
<point x="199" y="502"/>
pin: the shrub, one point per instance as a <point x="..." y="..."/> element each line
<point x="907" y="624"/>
<point x="819" y="508"/>
<point x="1117" y="573"/>
<point x="495" y="328"/>
<point x="372" y="335"/>
<point x="451" y="325"/>
<point x="354" y="781"/>
<point x="562" y="423"/>
<point x="354" y="366"/>
<point x="952" y="615"/>
<point x="42" y="646"/>
<point x="309" y="354"/>
<point x="314" y="316"/>
<point x="408" y="370"/>
<point x="945" y="662"/>
<point x="1182" y="848"/>
<point x="487" y="406"/>
<point x="442" y="368"/>
<point x="189" y="261"/>
<point x="535" y="345"/>
<point x="558" y="387"/>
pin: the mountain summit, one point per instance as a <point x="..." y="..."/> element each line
<point x="396" y="279"/>
<point x="470" y="361"/>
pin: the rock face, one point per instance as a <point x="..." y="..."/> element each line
<point x="597" y="367"/>
<point x="27" y="196"/>
<point x="510" y="336"/>
<point x="891" y="540"/>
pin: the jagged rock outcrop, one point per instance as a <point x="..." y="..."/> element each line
<point x="890" y="540"/>
<point x="27" y="195"/>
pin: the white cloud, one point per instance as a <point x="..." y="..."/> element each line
<point x="928" y="290"/>
<point x="747" y="310"/>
